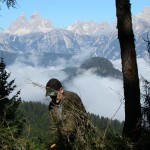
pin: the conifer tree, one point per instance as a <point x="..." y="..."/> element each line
<point x="10" y="124"/>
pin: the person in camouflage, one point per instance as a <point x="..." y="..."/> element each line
<point x="68" y="118"/>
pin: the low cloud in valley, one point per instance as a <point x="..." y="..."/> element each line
<point x="103" y="96"/>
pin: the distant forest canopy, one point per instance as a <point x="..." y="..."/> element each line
<point x="37" y="119"/>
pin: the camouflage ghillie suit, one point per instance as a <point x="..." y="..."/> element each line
<point x="69" y="124"/>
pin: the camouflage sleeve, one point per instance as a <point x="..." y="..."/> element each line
<point x="53" y="128"/>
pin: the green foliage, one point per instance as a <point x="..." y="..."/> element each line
<point x="11" y="124"/>
<point x="37" y="122"/>
<point x="146" y="104"/>
<point x="9" y="3"/>
<point x="37" y="128"/>
<point x="115" y="142"/>
<point x="145" y="137"/>
<point x="114" y="126"/>
<point x="109" y="134"/>
<point x="145" y="97"/>
<point x="8" y="104"/>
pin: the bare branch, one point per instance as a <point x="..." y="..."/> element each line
<point x="36" y="84"/>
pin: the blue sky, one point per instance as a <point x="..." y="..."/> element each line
<point x="63" y="13"/>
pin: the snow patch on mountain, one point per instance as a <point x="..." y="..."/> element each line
<point x="88" y="27"/>
<point x="144" y="15"/>
<point x="36" y="23"/>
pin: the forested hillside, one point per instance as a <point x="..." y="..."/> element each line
<point x="36" y="121"/>
<point x="36" y="128"/>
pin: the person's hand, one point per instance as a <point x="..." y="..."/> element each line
<point x="53" y="146"/>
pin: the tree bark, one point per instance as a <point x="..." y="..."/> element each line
<point x="132" y="125"/>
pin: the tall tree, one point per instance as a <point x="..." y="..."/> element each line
<point x="8" y="105"/>
<point x="10" y="123"/>
<point x="132" y="125"/>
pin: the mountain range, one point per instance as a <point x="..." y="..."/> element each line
<point x="37" y="36"/>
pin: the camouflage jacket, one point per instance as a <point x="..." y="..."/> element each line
<point x="68" y="120"/>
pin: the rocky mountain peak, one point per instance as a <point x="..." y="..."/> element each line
<point x="36" y="23"/>
<point x="88" y="27"/>
<point x="141" y="20"/>
<point x="35" y="15"/>
<point x="19" y="24"/>
<point x="144" y="15"/>
<point x="22" y="17"/>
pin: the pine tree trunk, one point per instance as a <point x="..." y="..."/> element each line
<point x="132" y="126"/>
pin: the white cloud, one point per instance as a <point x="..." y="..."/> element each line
<point x="23" y="74"/>
<point x="100" y="95"/>
<point x="143" y="67"/>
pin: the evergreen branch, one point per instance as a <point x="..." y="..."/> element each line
<point x="11" y="133"/>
